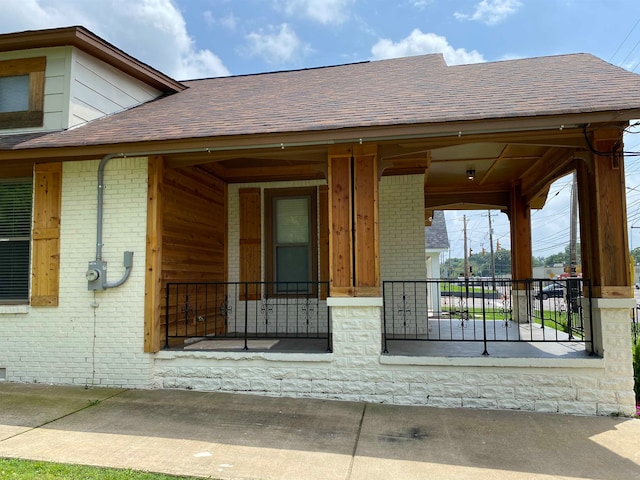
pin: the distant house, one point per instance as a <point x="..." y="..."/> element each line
<point x="436" y="242"/>
<point x="265" y="233"/>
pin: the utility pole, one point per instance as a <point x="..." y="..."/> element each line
<point x="493" y="261"/>
<point x="573" y="232"/>
<point x="466" y="251"/>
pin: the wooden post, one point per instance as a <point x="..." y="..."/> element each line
<point x="340" y="222"/>
<point x="367" y="240"/>
<point x="153" y="268"/>
<point x="520" y="219"/>
<point x="604" y="238"/>
<point x="353" y="220"/>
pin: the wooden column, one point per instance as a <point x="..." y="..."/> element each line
<point x="153" y="268"/>
<point x="353" y="220"/>
<point x="601" y="196"/>
<point x="520" y="220"/>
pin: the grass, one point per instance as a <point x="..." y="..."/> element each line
<point x="558" y="322"/>
<point x="456" y="288"/>
<point x="11" y="468"/>
<point x="636" y="370"/>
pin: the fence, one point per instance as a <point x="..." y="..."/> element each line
<point x="501" y="310"/>
<point x="246" y="310"/>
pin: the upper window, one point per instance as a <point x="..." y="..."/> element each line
<point x="22" y="93"/>
<point x="15" y="239"/>
<point x="291" y="255"/>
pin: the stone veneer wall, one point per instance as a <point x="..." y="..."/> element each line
<point x="357" y="371"/>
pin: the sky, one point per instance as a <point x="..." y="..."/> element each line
<point x="189" y="39"/>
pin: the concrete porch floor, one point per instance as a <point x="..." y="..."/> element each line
<point x="420" y="346"/>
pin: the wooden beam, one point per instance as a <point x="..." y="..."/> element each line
<point x="153" y="267"/>
<point x="494" y="164"/>
<point x="438" y="200"/>
<point x="552" y="165"/>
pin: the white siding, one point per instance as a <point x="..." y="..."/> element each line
<point x="98" y="89"/>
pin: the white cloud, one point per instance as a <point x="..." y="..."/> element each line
<point x="421" y="3"/>
<point x="278" y="45"/>
<point x="419" y="43"/>
<point x="153" y="31"/>
<point x="229" y="21"/>
<point x="491" y="12"/>
<point x="322" y="11"/>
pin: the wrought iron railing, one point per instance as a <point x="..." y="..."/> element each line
<point x="247" y="311"/>
<point x="635" y="325"/>
<point x="487" y="310"/>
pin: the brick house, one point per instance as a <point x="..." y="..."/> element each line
<point x="274" y="212"/>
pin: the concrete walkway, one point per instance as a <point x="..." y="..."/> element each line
<point x="224" y="436"/>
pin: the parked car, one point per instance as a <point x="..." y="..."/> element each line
<point x="553" y="290"/>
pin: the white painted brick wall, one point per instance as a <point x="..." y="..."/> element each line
<point x="65" y="344"/>
<point x="402" y="255"/>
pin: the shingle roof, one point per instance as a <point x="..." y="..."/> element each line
<point x="403" y="91"/>
<point x="435" y="235"/>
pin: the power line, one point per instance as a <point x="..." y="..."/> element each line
<point x="625" y="39"/>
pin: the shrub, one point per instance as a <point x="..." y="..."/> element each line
<point x="636" y="370"/>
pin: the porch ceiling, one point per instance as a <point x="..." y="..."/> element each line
<point x="534" y="159"/>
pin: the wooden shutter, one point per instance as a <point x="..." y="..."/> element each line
<point x="250" y="252"/>
<point x="46" y="234"/>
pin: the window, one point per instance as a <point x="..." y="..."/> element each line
<point x="15" y="240"/>
<point x="291" y="256"/>
<point x="22" y="92"/>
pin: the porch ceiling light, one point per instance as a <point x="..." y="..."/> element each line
<point x="471" y="174"/>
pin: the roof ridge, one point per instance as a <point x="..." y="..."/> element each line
<point x="324" y="67"/>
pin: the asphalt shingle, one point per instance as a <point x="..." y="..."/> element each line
<point x="403" y="91"/>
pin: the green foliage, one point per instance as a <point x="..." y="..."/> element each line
<point x="480" y="265"/>
<point x="33" y="470"/>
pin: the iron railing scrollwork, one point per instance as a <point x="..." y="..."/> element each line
<point x="488" y="311"/>
<point x="246" y="310"/>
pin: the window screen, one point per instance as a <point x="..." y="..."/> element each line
<point x="15" y="239"/>
<point x="14" y="93"/>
